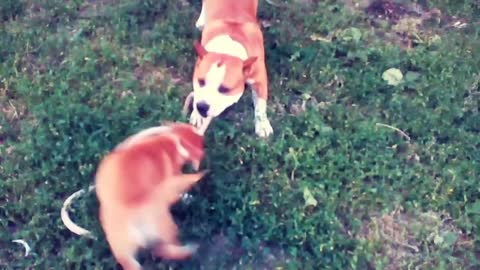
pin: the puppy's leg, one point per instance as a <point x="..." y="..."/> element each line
<point x="129" y="263"/>
<point x="169" y="246"/>
<point x="176" y="252"/>
<point x="120" y="240"/>
<point x="202" y="19"/>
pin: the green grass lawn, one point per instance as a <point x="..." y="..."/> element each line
<point x="333" y="188"/>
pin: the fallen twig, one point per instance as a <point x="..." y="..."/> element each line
<point x="24" y="244"/>
<point x="67" y="221"/>
<point x="394" y="241"/>
<point x="396" y="129"/>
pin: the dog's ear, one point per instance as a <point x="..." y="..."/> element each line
<point x="247" y="64"/>
<point x="201" y="51"/>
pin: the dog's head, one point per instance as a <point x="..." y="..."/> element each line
<point x="218" y="81"/>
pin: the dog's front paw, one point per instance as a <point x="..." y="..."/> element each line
<point x="263" y="128"/>
<point x="199" y="122"/>
<point x="196" y="119"/>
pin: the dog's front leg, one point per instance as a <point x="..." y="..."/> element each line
<point x="263" y="128"/>
<point x="200" y="122"/>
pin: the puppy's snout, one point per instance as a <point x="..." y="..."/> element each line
<point x="202" y="108"/>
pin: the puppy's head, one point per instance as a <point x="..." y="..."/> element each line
<point x="218" y="81"/>
<point x="191" y="140"/>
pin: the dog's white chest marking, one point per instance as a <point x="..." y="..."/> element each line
<point x="226" y="45"/>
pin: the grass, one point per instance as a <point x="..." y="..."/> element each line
<point x="331" y="189"/>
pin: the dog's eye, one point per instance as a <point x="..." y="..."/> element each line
<point x="201" y="82"/>
<point x="223" y="89"/>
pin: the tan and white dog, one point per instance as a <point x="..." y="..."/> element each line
<point x="231" y="53"/>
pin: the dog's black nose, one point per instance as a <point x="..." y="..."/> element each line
<point x="202" y="108"/>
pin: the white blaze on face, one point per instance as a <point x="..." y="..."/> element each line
<point x="209" y="93"/>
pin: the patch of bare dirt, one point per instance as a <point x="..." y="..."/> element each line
<point x="30" y="64"/>
<point x="225" y="253"/>
<point x="412" y="23"/>
<point x="93" y="8"/>
<point x="150" y="75"/>
<point x="472" y="100"/>
<point x="408" y="239"/>
<point x="12" y="109"/>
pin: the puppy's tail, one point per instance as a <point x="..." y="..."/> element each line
<point x="67" y="221"/>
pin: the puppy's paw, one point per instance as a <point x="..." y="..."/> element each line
<point x="186" y="198"/>
<point x="263" y="128"/>
<point x="175" y="251"/>
<point x="191" y="248"/>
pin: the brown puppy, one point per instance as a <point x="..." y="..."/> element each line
<point x="137" y="183"/>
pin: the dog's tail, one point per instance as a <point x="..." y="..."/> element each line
<point x="67" y="221"/>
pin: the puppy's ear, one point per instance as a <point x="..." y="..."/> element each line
<point x="247" y="64"/>
<point x="193" y="141"/>
<point x="201" y="51"/>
